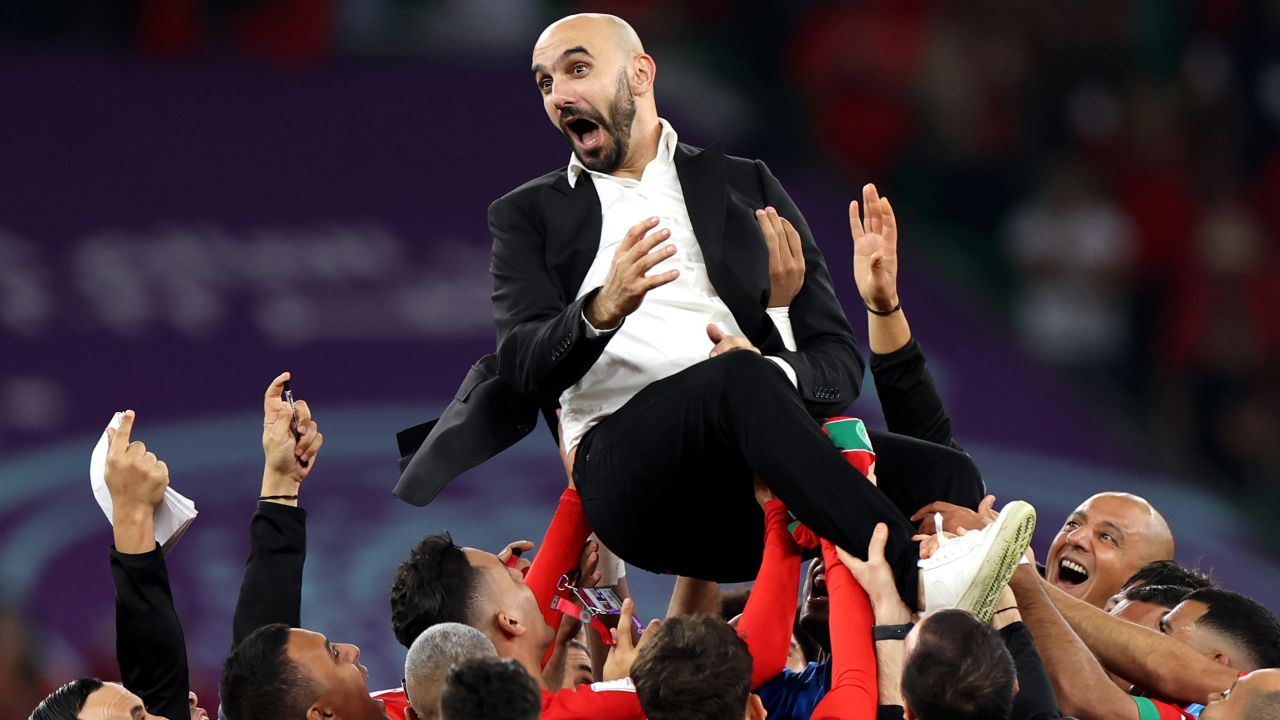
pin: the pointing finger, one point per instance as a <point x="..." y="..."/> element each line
<point x="276" y="388"/>
<point x="119" y="438"/>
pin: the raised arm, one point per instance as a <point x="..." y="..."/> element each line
<point x="1159" y="664"/>
<point x="827" y="364"/>
<point x="876" y="577"/>
<point x="1080" y="684"/>
<point x="910" y="402"/>
<point x="271" y="590"/>
<point x="854" y="691"/>
<point x="150" y="647"/>
<point x="1035" y="699"/>
<point x="767" y="619"/>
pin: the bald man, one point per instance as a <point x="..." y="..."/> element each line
<point x="632" y="289"/>
<point x="1103" y="542"/>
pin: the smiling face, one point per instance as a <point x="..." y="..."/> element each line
<point x="1103" y="542"/>
<point x="1245" y="699"/>
<point x="590" y="70"/>
<point x="335" y="668"/>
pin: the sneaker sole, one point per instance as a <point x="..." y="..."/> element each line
<point x="1017" y="524"/>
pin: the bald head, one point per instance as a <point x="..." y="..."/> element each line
<point x="430" y="657"/>
<point x="1103" y="542"/>
<point x="607" y="32"/>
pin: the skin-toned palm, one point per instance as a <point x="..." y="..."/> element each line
<point x="623" y="653"/>
<point x="876" y="577"/>
<point x="786" y="257"/>
<point x="875" y="249"/>
<point x="285" y="454"/>
<point x="626" y="284"/>
<point x="135" y="477"/>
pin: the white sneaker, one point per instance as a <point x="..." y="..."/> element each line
<point x="968" y="572"/>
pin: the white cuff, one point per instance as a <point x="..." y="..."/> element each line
<point x="781" y="318"/>
<point x="786" y="368"/>
<point x="592" y="331"/>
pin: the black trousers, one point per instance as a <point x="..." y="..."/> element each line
<point x="666" y="481"/>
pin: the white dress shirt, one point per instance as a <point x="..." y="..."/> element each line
<point x="668" y="332"/>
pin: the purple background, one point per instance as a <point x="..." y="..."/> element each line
<point x="171" y="237"/>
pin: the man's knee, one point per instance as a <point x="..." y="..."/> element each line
<point x="745" y="368"/>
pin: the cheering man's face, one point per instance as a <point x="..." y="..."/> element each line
<point x="581" y="68"/>
<point x="1103" y="542"/>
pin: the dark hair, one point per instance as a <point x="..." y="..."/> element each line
<point x="733" y="602"/>
<point x="1245" y="621"/>
<point x="1166" y="596"/>
<point x="490" y="689"/>
<point x="1168" y="572"/>
<point x="66" y="702"/>
<point x="694" y="667"/>
<point x="434" y="584"/>
<point x="260" y="682"/>
<point x="959" y="669"/>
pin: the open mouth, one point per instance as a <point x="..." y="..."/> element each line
<point x="1071" y="574"/>
<point x="587" y="134"/>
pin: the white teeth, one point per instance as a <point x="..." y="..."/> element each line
<point x="1077" y="567"/>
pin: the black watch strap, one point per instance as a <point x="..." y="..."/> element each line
<point x="891" y="632"/>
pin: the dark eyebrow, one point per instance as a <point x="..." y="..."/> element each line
<point x="575" y="50"/>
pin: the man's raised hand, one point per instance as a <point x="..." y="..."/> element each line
<point x="786" y="257"/>
<point x="623" y="653"/>
<point x="955" y="517"/>
<point x="876" y="577"/>
<point x="875" y="250"/>
<point x="284" y="470"/>
<point x="626" y="285"/>
<point x="136" y="480"/>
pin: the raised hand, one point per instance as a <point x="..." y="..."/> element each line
<point x="875" y="250"/>
<point x="286" y="454"/>
<point x="725" y="342"/>
<point x="136" y="479"/>
<point x="626" y="284"/>
<point x="876" y="577"/>
<point x="522" y="563"/>
<point x="623" y="653"/>
<point x="786" y="257"/>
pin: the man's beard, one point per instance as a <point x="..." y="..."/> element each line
<point x="622" y="111"/>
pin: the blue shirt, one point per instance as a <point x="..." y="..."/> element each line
<point x="792" y="695"/>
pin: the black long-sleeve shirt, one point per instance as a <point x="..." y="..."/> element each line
<point x="150" y="647"/>
<point x="908" y="397"/>
<point x="1035" y="699"/>
<point x="271" y="591"/>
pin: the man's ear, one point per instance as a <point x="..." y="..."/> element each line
<point x="1219" y="657"/>
<point x="643" y="71"/>
<point x="755" y="708"/>
<point x="317" y="711"/>
<point x="510" y="625"/>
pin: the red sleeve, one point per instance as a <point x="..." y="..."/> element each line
<point x="854" y="693"/>
<point x="615" y="700"/>
<point x="766" y="621"/>
<point x="557" y="554"/>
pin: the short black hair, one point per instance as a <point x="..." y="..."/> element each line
<point x="435" y="584"/>
<point x="66" y="702"/>
<point x="1166" y="596"/>
<point x="960" y="669"/>
<point x="260" y="682"/>
<point x="1243" y="619"/>
<point x="1168" y="572"/>
<point x="694" y="668"/>
<point x="490" y="689"/>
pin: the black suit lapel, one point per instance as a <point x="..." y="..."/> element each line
<point x="573" y="231"/>
<point x="705" y="185"/>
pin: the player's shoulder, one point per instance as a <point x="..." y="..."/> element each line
<point x="616" y="700"/>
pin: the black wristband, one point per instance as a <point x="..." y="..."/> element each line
<point x="883" y="313"/>
<point x="890" y="632"/>
<point x="278" y="497"/>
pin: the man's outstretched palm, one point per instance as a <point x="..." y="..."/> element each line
<point x="875" y="250"/>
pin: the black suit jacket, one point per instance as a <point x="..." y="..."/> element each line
<point x="546" y="234"/>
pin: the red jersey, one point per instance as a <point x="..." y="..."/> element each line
<point x="396" y="702"/>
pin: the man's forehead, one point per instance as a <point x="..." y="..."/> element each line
<point x="1187" y="612"/>
<point x="481" y="559"/>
